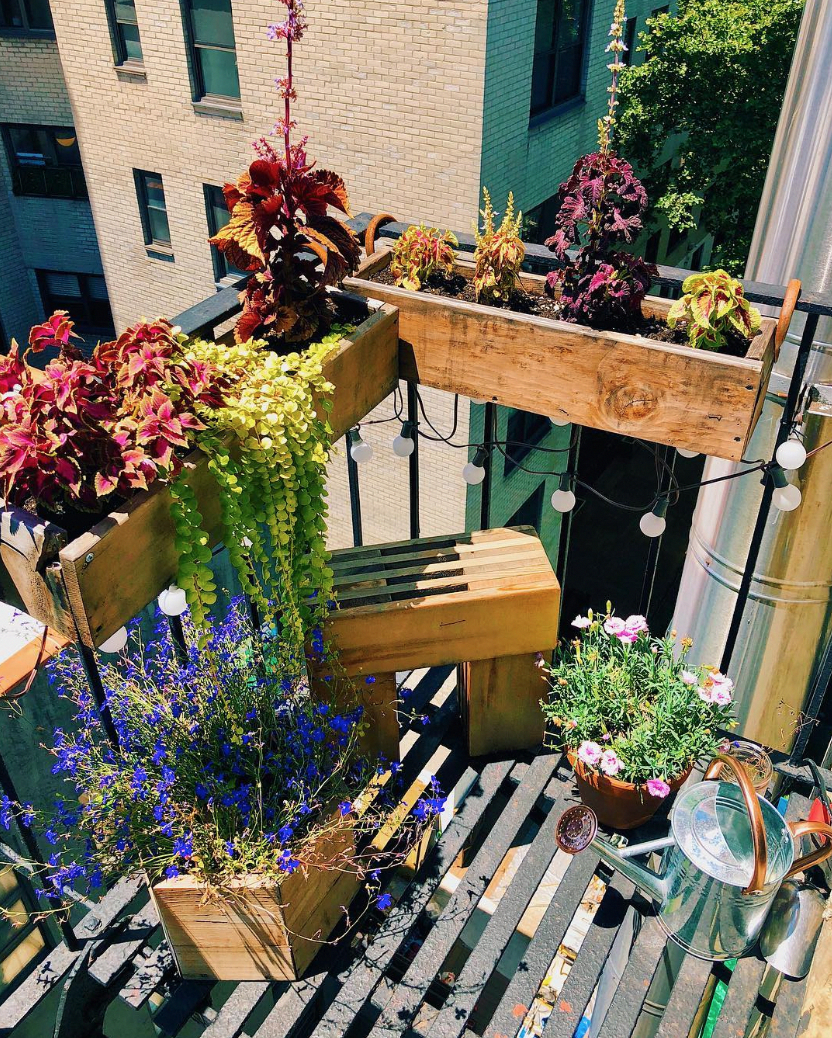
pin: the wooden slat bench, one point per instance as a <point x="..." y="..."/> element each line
<point x="487" y="601"/>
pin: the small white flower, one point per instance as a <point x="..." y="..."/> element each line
<point x="689" y="677"/>
<point x="581" y="621"/>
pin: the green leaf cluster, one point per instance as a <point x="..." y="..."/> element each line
<point x="631" y="697"/>
<point x="268" y="449"/>
<point x="710" y="93"/>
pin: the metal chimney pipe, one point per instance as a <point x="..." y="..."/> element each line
<point x="788" y="611"/>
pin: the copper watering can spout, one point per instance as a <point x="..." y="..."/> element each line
<point x="723" y="864"/>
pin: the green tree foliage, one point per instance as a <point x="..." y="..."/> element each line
<point x="709" y="94"/>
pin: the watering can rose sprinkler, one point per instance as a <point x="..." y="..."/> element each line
<point x="728" y="852"/>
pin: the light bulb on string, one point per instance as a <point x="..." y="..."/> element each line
<point x="474" y="472"/>
<point x="791" y="454"/>
<point x="563" y="499"/>
<point x="786" y="496"/>
<point x="172" y="601"/>
<point x="652" y="524"/>
<point x="687" y="454"/>
<point x="115" y="643"/>
<point x="360" y="451"/>
<point x="405" y="443"/>
<point x="560" y="422"/>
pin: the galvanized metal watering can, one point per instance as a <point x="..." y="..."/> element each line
<point x="723" y="864"/>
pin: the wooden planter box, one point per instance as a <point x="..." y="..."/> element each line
<point x="266" y="930"/>
<point x="88" y="588"/>
<point x="624" y="384"/>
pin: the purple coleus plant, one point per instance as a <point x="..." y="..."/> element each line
<point x="601" y="208"/>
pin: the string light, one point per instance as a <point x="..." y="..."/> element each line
<point x="360" y="451"/>
<point x="474" y="472"/>
<point x="115" y="643"/>
<point x="786" y="496"/>
<point x="405" y="444"/>
<point x="563" y="499"/>
<point x="560" y="422"/>
<point x="653" y="524"/>
<point x="791" y="454"/>
<point x="172" y="601"/>
<point x="687" y="454"/>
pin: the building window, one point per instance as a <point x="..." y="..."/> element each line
<point x="154" y="213"/>
<point x="629" y="41"/>
<point x="124" y="28"/>
<point x="218" y="216"/>
<point x="83" y="295"/>
<point x="559" y="45"/>
<point x="209" y="30"/>
<point x="540" y="221"/>
<point x="525" y="431"/>
<point x="45" y="161"/>
<point x="651" y="249"/>
<point x="697" y="257"/>
<point x="530" y="513"/>
<point x="31" y="15"/>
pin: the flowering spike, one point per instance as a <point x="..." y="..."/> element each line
<point x="616" y="48"/>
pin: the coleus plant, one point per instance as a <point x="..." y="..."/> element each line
<point x="82" y="431"/>
<point x="499" y="252"/>
<point x="280" y="227"/>
<point x="602" y="204"/>
<point x="713" y="305"/>
<point x="420" y="252"/>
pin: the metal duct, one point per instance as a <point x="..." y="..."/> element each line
<point x="788" y="612"/>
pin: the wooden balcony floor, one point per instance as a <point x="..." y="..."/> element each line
<point x="496" y="933"/>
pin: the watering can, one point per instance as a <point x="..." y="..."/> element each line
<point x="728" y="854"/>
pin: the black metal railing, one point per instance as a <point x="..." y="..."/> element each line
<point x="50" y="181"/>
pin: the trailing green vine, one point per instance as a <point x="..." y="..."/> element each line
<point x="268" y="449"/>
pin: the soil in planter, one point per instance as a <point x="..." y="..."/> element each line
<point x="344" y="309"/>
<point x="456" y="286"/>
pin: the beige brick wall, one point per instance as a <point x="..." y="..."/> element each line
<point x="390" y="95"/>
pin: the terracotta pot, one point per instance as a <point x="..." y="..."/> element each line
<point x="618" y="805"/>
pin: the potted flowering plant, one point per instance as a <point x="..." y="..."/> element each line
<point x="585" y="343"/>
<point x="632" y="714"/>
<point x="241" y="798"/>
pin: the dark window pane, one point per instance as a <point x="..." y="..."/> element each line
<point x="530" y="512"/>
<point x="568" y="82"/>
<point x="29" y="144"/>
<point x="629" y="40"/>
<point x="67" y="152"/>
<point x="542" y="82"/>
<point x="212" y="22"/>
<point x="525" y="430"/>
<point x="218" y="216"/>
<point x="131" y="42"/>
<point x="155" y="190"/>
<point x="11" y="16"/>
<point x="159" y="230"/>
<point x="62" y="284"/>
<point x="38" y="13"/>
<point x="544" y="29"/>
<point x="219" y="72"/>
<point x="125" y="11"/>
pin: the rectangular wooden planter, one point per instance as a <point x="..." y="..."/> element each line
<point x="89" y="587"/>
<point x="625" y="384"/>
<point x="264" y="931"/>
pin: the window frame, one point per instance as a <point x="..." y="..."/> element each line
<point x="223" y="275"/>
<point x="121" y="58"/>
<point x="83" y="321"/>
<point x="26" y="29"/>
<point x="77" y="177"/>
<point x="556" y="107"/>
<point x="155" y="247"/>
<point x="199" y="95"/>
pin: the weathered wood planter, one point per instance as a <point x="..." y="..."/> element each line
<point x="625" y="384"/>
<point x="87" y="588"/>
<point x="265" y="930"/>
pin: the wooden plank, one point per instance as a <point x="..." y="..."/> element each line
<point x="816" y="1013"/>
<point x="112" y="572"/>
<point x="478" y="624"/>
<point x="517" y="564"/>
<point x="28" y="546"/>
<point x="501" y="700"/>
<point x="624" y="384"/>
<point x="345" y="568"/>
<point x="365" y="368"/>
<point x="474" y="538"/>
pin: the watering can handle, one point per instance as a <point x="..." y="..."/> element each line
<point x="819" y="854"/>
<point x="755" y="816"/>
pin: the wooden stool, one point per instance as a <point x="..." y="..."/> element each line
<point x="487" y="599"/>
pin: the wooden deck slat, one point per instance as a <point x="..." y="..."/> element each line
<point x="629" y="997"/>
<point x="399" y="1010"/>
<point x="742" y="994"/>
<point x="685" y="998"/>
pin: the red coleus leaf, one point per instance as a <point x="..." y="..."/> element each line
<point x="56" y="331"/>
